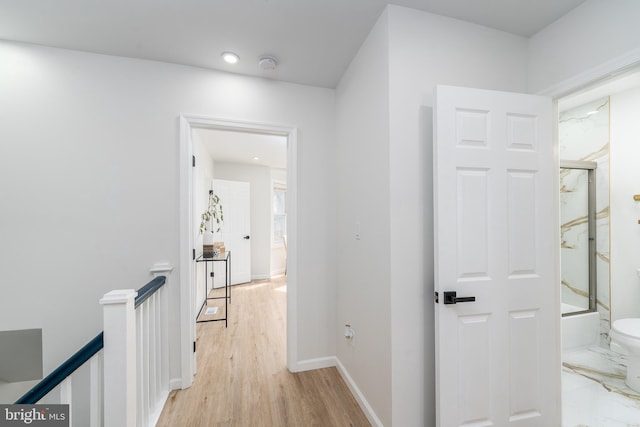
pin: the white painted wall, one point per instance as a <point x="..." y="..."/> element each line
<point x="91" y="140"/>
<point x="385" y="287"/>
<point x="625" y="212"/>
<point x="278" y="252"/>
<point x="426" y="50"/>
<point x="594" y="34"/>
<point x="89" y="185"/>
<point x="363" y="196"/>
<point x="259" y="179"/>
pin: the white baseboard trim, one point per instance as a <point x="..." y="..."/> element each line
<point x="364" y="405"/>
<point x="175" y="384"/>
<point x="278" y="272"/>
<point x="318" y="363"/>
<point x="261" y="277"/>
<point x="154" y="416"/>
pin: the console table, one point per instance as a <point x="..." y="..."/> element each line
<point x="226" y="258"/>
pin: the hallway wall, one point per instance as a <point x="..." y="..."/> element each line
<point x="89" y="186"/>
<point x="385" y="279"/>
<point x="595" y="34"/>
<point x="426" y="50"/>
<point x="363" y="206"/>
<point x="625" y="212"/>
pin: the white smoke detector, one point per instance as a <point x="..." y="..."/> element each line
<point x="268" y="63"/>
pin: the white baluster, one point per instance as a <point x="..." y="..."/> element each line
<point x="144" y="366"/>
<point x="95" y="390"/>
<point x="152" y="331"/>
<point x="163" y="350"/>
<point x="66" y="396"/>
<point x="161" y="338"/>
<point x="139" y="363"/>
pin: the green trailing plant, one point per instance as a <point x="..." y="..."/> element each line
<point x="213" y="213"/>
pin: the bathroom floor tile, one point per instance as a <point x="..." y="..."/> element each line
<point x="593" y="390"/>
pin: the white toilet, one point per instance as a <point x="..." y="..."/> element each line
<point x="625" y="339"/>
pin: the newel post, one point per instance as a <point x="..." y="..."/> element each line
<point x="119" y="358"/>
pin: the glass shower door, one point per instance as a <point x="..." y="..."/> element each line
<point x="578" y="236"/>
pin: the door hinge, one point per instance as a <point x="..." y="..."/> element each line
<point x="435" y="298"/>
<point x="193" y="161"/>
<point x="194" y="254"/>
<point x="194" y="346"/>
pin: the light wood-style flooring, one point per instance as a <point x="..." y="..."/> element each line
<point x="242" y="379"/>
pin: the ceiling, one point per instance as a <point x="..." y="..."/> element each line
<point x="314" y="40"/>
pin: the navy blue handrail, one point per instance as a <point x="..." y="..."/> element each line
<point x="149" y="289"/>
<point x="41" y="389"/>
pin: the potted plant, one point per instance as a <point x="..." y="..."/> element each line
<point x="211" y="223"/>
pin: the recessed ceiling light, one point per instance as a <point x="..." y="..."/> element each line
<point x="256" y="158"/>
<point x="230" y="57"/>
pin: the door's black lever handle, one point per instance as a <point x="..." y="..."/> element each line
<point x="451" y="298"/>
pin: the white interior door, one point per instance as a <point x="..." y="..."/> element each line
<point x="498" y="357"/>
<point x="236" y="230"/>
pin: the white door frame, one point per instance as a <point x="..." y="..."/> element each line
<point x="591" y="76"/>
<point x="187" y="276"/>
<point x="583" y="80"/>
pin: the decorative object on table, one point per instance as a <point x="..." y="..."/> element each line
<point x="218" y="249"/>
<point x="211" y="223"/>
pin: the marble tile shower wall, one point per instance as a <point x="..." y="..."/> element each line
<point x="584" y="135"/>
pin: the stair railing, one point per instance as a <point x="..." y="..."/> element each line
<point x="128" y="361"/>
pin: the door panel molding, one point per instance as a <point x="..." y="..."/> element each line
<point x="498" y="358"/>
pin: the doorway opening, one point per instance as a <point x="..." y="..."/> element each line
<point x="597" y="124"/>
<point x="188" y="240"/>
